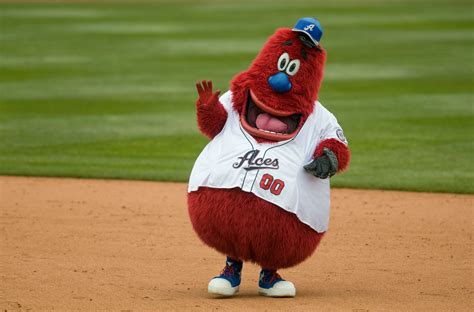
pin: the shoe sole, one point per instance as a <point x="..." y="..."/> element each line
<point x="220" y="291"/>
<point x="279" y="293"/>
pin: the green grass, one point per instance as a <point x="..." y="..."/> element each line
<point x="107" y="90"/>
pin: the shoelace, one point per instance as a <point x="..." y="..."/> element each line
<point x="273" y="277"/>
<point x="228" y="271"/>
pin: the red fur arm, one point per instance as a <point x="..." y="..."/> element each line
<point x="211" y="118"/>
<point x="341" y="150"/>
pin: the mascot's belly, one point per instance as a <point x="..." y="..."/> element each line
<point x="243" y="226"/>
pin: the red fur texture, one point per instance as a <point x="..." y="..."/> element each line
<point x="245" y="227"/>
<point x="305" y="84"/>
<point x="340" y="149"/>
<point x="210" y="118"/>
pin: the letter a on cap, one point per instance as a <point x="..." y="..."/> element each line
<point x="311" y="27"/>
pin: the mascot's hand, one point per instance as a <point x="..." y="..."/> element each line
<point x="323" y="166"/>
<point x="211" y="114"/>
<point x="206" y="97"/>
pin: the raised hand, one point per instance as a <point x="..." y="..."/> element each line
<point x="211" y="115"/>
<point x="206" y="97"/>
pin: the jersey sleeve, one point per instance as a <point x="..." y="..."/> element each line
<point x="226" y="101"/>
<point x="332" y="130"/>
<point x="332" y="137"/>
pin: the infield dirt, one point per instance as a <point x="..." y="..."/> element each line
<point x="70" y="244"/>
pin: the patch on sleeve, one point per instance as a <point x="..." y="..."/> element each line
<point x="340" y="135"/>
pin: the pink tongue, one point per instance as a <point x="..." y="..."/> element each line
<point x="267" y="122"/>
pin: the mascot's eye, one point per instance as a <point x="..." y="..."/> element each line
<point x="293" y="67"/>
<point x="283" y="61"/>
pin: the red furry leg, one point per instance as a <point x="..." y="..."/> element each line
<point x="243" y="226"/>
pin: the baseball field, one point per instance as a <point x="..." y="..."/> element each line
<point x="104" y="91"/>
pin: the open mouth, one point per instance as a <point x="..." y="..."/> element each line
<point x="265" y="122"/>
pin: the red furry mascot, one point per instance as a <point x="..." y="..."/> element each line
<point x="259" y="191"/>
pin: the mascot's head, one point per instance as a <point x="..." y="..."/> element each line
<point x="275" y="96"/>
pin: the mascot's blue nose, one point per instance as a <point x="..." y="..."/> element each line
<point x="280" y="82"/>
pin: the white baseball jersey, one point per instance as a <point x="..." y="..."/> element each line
<point x="271" y="171"/>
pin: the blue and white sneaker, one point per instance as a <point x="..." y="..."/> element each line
<point x="228" y="282"/>
<point x="271" y="284"/>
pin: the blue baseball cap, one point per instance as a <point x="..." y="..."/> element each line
<point x="311" y="27"/>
